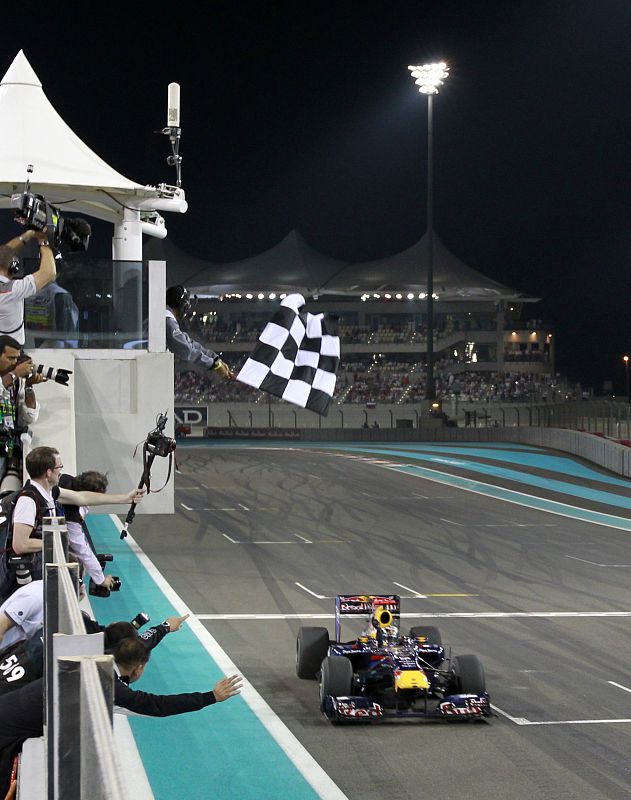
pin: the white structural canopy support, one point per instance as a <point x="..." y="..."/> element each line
<point x="67" y="172"/>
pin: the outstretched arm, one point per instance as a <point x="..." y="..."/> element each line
<point x="73" y="498"/>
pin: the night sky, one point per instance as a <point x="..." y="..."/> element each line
<point x="303" y="115"/>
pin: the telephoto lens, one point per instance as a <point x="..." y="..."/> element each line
<point x="140" y="619"/>
<point x="22" y="566"/>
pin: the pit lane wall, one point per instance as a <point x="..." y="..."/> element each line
<point x="111" y="403"/>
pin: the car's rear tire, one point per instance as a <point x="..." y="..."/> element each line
<point x="312" y="646"/>
<point x="469" y="674"/>
<point x="336" y="677"/>
<point x="427" y="632"/>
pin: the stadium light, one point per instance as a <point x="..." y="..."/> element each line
<point x="428" y="77"/>
<point x="626" y="375"/>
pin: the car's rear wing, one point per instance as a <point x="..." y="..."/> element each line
<point x="363" y="605"/>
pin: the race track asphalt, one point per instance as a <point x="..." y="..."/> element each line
<point x="264" y="538"/>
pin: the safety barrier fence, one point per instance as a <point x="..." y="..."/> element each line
<point x="598" y="431"/>
<point x="79" y="758"/>
<point x="609" y="417"/>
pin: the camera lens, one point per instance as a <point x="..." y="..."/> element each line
<point x="23" y="576"/>
<point x="139" y="620"/>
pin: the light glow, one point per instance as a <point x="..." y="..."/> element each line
<point x="428" y="77"/>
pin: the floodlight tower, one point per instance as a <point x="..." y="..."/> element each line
<point x="428" y="77"/>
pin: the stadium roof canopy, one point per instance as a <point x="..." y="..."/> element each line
<point x="65" y="170"/>
<point x="292" y="265"/>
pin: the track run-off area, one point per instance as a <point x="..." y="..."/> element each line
<point x="519" y="555"/>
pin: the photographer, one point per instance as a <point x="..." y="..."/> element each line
<point x="181" y="344"/>
<point x="37" y="499"/>
<point x="19" y="409"/>
<point x="78" y="534"/>
<point x="13" y="291"/>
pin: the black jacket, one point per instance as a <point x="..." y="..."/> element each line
<point x="159" y="705"/>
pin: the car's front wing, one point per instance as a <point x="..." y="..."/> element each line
<point x="453" y="706"/>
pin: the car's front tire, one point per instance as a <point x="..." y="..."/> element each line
<point x="336" y="677"/>
<point x="469" y="674"/>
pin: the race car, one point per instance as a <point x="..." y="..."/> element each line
<point x="383" y="674"/>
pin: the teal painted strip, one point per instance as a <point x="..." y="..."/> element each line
<point x="524" y="478"/>
<point x="552" y="463"/>
<point x="517" y="497"/>
<point x="222" y="752"/>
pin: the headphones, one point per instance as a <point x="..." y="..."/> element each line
<point x="178" y="297"/>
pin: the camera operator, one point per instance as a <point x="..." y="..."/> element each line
<point x="181" y="344"/>
<point x="13" y="291"/>
<point x="37" y="499"/>
<point x="19" y="409"/>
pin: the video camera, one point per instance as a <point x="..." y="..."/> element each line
<point x="34" y="212"/>
<point x="95" y="589"/>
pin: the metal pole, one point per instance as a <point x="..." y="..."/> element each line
<point x="430" y="393"/>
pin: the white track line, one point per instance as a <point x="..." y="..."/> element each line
<point x="407" y="589"/>
<point x="595" y="564"/>
<point x="433" y="615"/>
<point x="319" y="596"/>
<point x="306" y="541"/>
<point x="620" y="686"/>
<point x="524" y="721"/>
<point x="304" y="762"/>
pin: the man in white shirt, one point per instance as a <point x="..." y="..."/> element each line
<point x="36" y="500"/>
<point x="22" y="614"/>
<point x="13" y="291"/>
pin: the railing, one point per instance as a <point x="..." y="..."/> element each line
<point x="80" y="756"/>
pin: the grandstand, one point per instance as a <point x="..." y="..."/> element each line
<point x="487" y="343"/>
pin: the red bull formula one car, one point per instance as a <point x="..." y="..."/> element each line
<point x="383" y="674"/>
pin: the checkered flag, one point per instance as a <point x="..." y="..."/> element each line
<point x="295" y="358"/>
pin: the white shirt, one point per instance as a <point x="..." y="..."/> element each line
<point x="25" y="608"/>
<point x="79" y="547"/>
<point x="26" y="511"/>
<point x="12" y="296"/>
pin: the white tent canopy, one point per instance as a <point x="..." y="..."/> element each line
<point x="65" y="168"/>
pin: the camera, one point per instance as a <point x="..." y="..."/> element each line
<point x="157" y="443"/>
<point x="22" y="566"/>
<point x="95" y="589"/>
<point x="100" y="591"/>
<point x="140" y="619"/>
<point x="57" y="374"/>
<point x="33" y="211"/>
